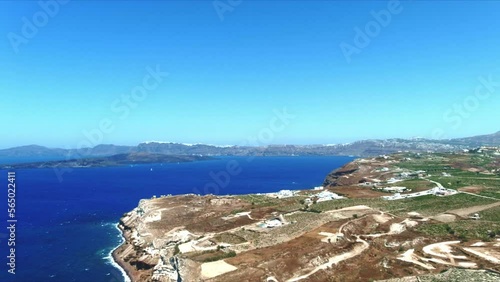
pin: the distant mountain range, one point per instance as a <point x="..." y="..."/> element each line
<point x="362" y="148"/>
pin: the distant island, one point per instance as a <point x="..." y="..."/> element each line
<point x="114" y="160"/>
<point x="363" y="148"/>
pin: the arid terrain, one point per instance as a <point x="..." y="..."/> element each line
<point x="404" y="217"/>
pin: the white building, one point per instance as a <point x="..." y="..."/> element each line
<point x="285" y="194"/>
<point x="273" y="223"/>
<point x="437" y="191"/>
<point x="393" y="180"/>
<point x="327" y="196"/>
<point x="395" y="189"/>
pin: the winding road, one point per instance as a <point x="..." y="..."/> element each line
<point x="358" y="249"/>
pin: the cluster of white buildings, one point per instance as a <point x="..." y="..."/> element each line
<point x="405" y="175"/>
<point x="436" y="191"/>
<point x="408" y="174"/>
<point x="327" y="196"/>
<point x="324" y="195"/>
<point x="394" y="189"/>
<point x="283" y="194"/>
<point x="393" y="180"/>
<point x="492" y="149"/>
<point x="402" y="176"/>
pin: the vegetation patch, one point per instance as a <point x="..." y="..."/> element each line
<point x="260" y="200"/>
<point x="456" y="182"/>
<point x="426" y="205"/>
<point x="463" y="230"/>
<point x="208" y="256"/>
<point x="229" y="238"/>
<point x="492" y="214"/>
<point x="493" y="193"/>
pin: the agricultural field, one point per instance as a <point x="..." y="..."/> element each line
<point x="426" y="205"/>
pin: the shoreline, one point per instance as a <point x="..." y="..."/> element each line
<point x="115" y="261"/>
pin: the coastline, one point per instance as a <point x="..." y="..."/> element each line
<point x="122" y="202"/>
<point x="125" y="255"/>
<point x="116" y="261"/>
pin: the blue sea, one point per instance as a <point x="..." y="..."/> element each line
<point x="66" y="225"/>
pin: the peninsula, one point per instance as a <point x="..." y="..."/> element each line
<point x="114" y="160"/>
<point x="413" y="215"/>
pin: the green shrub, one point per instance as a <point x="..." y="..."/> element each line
<point x="229" y="254"/>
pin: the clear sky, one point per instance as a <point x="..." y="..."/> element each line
<point x="344" y="70"/>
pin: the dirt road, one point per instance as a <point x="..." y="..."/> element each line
<point x="466" y="211"/>
<point x="358" y="249"/>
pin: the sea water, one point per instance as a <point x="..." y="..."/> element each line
<point x="66" y="225"/>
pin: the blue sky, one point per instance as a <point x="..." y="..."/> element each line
<point x="422" y="73"/>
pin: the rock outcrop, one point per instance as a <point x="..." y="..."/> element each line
<point x="341" y="176"/>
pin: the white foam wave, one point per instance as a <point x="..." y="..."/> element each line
<point x="112" y="261"/>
